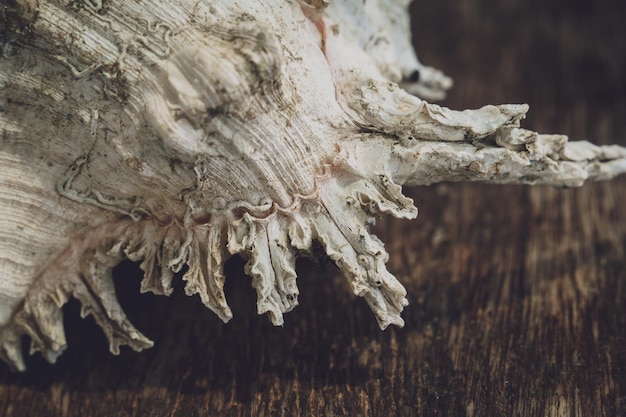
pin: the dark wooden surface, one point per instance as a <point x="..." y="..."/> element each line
<point x="518" y="295"/>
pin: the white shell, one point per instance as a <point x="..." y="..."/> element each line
<point x="180" y="133"/>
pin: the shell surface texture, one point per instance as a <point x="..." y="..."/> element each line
<point x="177" y="134"/>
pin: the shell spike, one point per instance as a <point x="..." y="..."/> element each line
<point x="205" y="275"/>
<point x="265" y="280"/>
<point x="510" y="155"/>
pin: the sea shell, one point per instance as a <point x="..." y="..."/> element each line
<point x="180" y="133"/>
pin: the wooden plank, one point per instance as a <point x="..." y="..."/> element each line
<point x="518" y="298"/>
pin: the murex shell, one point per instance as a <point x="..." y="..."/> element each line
<point x="180" y="133"/>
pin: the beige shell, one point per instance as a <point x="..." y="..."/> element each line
<point x="180" y="133"/>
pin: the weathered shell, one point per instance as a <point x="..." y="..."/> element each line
<point x="178" y="134"/>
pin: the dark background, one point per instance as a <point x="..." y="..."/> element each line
<point x="518" y="298"/>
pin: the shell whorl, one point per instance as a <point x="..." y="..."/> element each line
<point x="177" y="136"/>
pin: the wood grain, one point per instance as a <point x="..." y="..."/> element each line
<point x="518" y="295"/>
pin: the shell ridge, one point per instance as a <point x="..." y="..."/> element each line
<point x="132" y="208"/>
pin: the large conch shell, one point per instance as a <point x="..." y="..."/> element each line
<point x="177" y="134"/>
